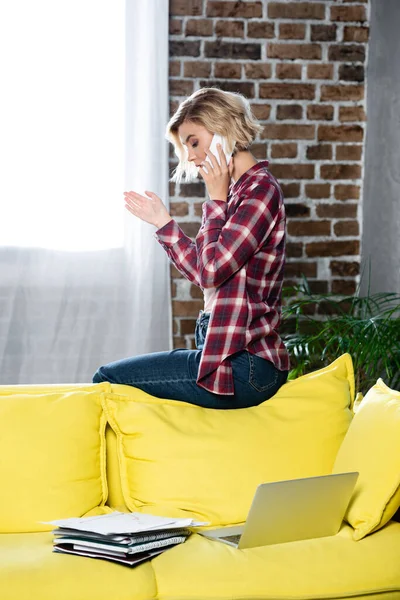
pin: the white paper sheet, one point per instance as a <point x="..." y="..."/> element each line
<point x="118" y="522"/>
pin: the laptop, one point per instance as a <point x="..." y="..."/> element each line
<point x="296" y="509"/>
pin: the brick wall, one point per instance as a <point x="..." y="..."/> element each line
<point x="302" y="65"/>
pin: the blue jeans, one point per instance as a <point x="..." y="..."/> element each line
<point x="173" y="375"/>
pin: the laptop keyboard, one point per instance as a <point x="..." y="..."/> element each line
<point x="231" y="538"/>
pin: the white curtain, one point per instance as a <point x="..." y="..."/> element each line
<point x="83" y="111"/>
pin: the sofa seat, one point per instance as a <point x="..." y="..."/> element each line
<point x="201" y="569"/>
<point x="29" y="570"/>
<point x="331" y="567"/>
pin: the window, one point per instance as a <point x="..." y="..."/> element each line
<point x="62" y="124"/>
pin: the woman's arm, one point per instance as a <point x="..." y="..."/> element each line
<point x="180" y="250"/>
<point x="225" y="245"/>
<point x="179" y="247"/>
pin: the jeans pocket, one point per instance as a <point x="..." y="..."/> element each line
<point x="263" y="373"/>
<point x="241" y="366"/>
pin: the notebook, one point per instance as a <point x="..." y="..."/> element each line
<point x="295" y="509"/>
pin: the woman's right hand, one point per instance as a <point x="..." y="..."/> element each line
<point x="149" y="208"/>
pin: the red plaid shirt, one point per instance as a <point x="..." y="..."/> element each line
<point x="240" y="251"/>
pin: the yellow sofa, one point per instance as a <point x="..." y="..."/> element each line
<point x="75" y="450"/>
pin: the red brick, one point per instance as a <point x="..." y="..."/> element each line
<point x="179" y="342"/>
<point x="342" y="92"/>
<point x="289" y="111"/>
<point x="187" y="308"/>
<point x="347" y="192"/>
<point x="346" y="52"/>
<point x="198" y="209"/>
<point x="333" y="248"/>
<point x="288" y="132"/>
<point x="234" y="9"/>
<point x="171" y="188"/>
<point x="340" y="133"/>
<point x="319" y="152"/>
<point x="185" y="7"/>
<point x="351" y="72"/>
<point x="323" y="33"/>
<point x="355" y="34"/>
<point x="294" y="51"/>
<point x="297" y="269"/>
<point x="344" y="268"/>
<point x="347" y="13"/>
<point x="228" y="70"/>
<point x="261" y="111"/>
<point x="199" y="27"/>
<point x="295" y="210"/>
<point x="347" y="228"/>
<point x="175" y="324"/>
<point x="296" y="10"/>
<point x="229" y="28"/>
<point x="309" y="228"/>
<point x="180" y="87"/>
<point x="337" y="211"/>
<point x="175" y="26"/>
<point x="283" y="150"/>
<point x="292" y="31"/>
<point x="287" y="91"/>
<point x="175" y="273"/>
<point x="319" y="71"/>
<point x="173" y="107"/>
<point x="343" y="287"/>
<point x="187" y="325"/>
<point x="318" y="190"/>
<point x="174" y="68"/>
<point x="348" y="152"/>
<point x="340" y="171"/>
<point x="352" y="113"/>
<point x="320" y="112"/>
<point x="186" y="48"/>
<point x="294" y="250"/>
<point x="292" y="171"/>
<point x="317" y="287"/>
<point x="242" y="87"/>
<point x="233" y="50"/>
<point x="290" y="190"/>
<point x="288" y="71"/>
<point x="260" y="29"/>
<point x="258" y="70"/>
<point x="259" y="150"/>
<point x="196" y="292"/>
<point x="194" y="68"/>
<point x="191" y="229"/>
<point x="192" y="190"/>
<point x="179" y="209"/>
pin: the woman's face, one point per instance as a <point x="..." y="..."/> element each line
<point x="196" y="139"/>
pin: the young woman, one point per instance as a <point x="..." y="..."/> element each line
<point x="237" y="260"/>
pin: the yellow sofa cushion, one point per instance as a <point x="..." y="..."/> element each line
<point x="334" y="567"/>
<point x="372" y="447"/>
<point x="115" y="497"/>
<point x="52" y="455"/>
<point x="29" y="570"/>
<point x="178" y="458"/>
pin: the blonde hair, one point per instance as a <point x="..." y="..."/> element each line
<point x="226" y="113"/>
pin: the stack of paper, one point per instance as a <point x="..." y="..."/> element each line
<point x="127" y="538"/>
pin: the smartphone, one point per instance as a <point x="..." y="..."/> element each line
<point x="218" y="139"/>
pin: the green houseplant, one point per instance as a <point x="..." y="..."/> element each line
<point x="317" y="328"/>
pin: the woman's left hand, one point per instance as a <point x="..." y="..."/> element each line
<point x="218" y="175"/>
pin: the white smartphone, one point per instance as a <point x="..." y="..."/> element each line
<point x="218" y="139"/>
